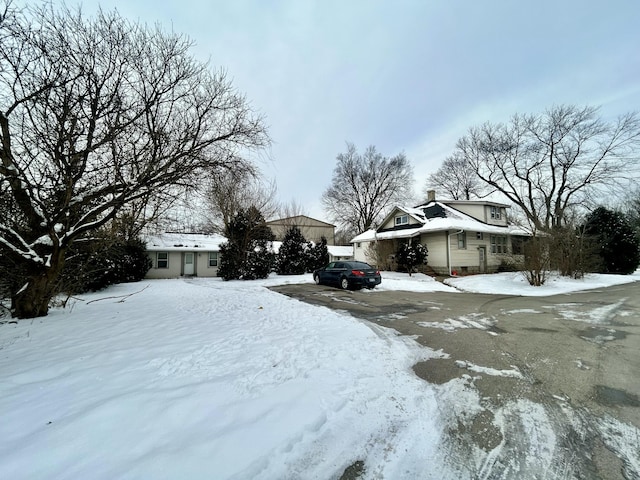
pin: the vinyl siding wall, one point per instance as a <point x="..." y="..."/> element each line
<point x="175" y="269"/>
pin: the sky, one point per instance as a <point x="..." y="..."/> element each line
<point x="406" y="76"/>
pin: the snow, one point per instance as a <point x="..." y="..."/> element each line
<point x="514" y="283"/>
<point x="202" y="378"/>
<point x="514" y="372"/>
<point x="208" y="379"/>
<point x="184" y="241"/>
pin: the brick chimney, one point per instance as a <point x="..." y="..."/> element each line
<point x="431" y="196"/>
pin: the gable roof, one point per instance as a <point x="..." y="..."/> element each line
<point x="299" y="220"/>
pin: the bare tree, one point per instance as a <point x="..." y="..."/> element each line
<point x="457" y="179"/>
<point x="230" y="191"/>
<point x="547" y="164"/>
<point x="290" y="210"/>
<point x="365" y="186"/>
<point x="96" y="113"/>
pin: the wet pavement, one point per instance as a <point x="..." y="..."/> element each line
<point x="573" y="357"/>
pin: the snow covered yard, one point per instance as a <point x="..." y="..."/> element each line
<point x="208" y="379"/>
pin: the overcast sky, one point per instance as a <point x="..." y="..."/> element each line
<point x="403" y="75"/>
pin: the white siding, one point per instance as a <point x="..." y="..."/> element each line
<point x="360" y="252"/>
<point x="173" y="271"/>
<point x="437" y="249"/>
<point x="202" y="268"/>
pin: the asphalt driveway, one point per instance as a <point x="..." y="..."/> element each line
<point x="576" y="356"/>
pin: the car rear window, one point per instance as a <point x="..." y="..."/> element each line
<point x="360" y="266"/>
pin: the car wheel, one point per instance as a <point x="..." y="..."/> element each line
<point x="344" y="283"/>
<point x="316" y="278"/>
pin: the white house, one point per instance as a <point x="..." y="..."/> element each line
<point x="184" y="254"/>
<point x="193" y="254"/>
<point x="462" y="236"/>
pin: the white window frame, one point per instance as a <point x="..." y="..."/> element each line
<point x="216" y="259"/>
<point x="402" y="220"/>
<point x="165" y="260"/>
<point x="496" y="213"/>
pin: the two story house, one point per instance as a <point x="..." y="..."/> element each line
<point x="462" y="236"/>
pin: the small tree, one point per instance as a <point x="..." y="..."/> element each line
<point x="260" y="262"/>
<point x="536" y="260"/>
<point x="293" y="256"/>
<point x="410" y="255"/>
<point x="568" y="252"/>
<point x="382" y="254"/>
<point x="317" y="255"/>
<point x="248" y="236"/>
<point x="615" y="241"/>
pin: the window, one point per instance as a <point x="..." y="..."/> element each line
<point x="213" y="259"/>
<point x="358" y="245"/>
<point x="498" y="244"/>
<point x="479" y="235"/>
<point x="462" y="240"/>
<point x="402" y="220"/>
<point x="496" y="213"/>
<point x="162" y="260"/>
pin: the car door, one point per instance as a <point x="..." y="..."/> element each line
<point x="327" y="273"/>
<point x="338" y="272"/>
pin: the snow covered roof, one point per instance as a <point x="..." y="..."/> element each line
<point x="367" y="236"/>
<point x="340" y="250"/>
<point x="184" y="242"/>
<point x="444" y="218"/>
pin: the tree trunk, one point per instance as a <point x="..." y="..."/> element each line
<point x="33" y="299"/>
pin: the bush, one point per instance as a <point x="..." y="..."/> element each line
<point x="92" y="265"/>
<point x="246" y="255"/>
<point x="230" y="262"/>
<point x="410" y="255"/>
<point x="260" y="263"/>
<point x="317" y="256"/>
<point x="614" y="240"/>
<point x="293" y="257"/>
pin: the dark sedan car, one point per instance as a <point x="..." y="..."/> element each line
<point x="348" y="275"/>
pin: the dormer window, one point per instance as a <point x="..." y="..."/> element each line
<point x="496" y="213"/>
<point x="402" y="220"/>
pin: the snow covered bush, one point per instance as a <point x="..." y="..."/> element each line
<point x="410" y="255"/>
<point x="260" y="262"/>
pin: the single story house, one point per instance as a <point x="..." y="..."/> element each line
<point x="193" y="254"/>
<point x="184" y="254"/>
<point x="461" y="236"/>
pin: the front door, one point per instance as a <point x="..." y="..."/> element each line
<point x="188" y="264"/>
<point x="482" y="253"/>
